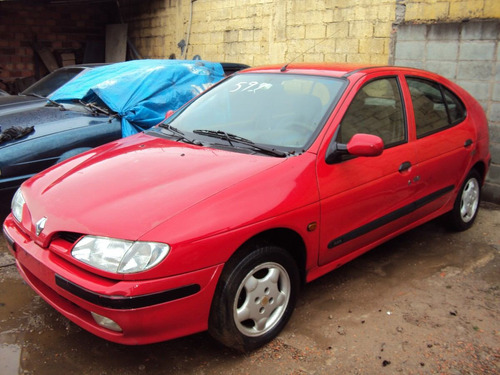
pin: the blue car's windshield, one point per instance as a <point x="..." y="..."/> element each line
<point x="282" y="111"/>
<point x="52" y="82"/>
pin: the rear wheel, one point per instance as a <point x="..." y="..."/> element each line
<point x="467" y="203"/>
<point x="254" y="299"/>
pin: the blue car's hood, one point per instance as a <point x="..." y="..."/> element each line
<point x="46" y="120"/>
<point x="19" y="103"/>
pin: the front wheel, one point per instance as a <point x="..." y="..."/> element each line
<point x="254" y="299"/>
<point x="467" y="203"/>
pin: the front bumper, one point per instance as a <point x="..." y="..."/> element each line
<point x="147" y="310"/>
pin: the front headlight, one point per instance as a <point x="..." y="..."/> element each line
<point x="119" y="256"/>
<point x="17" y="205"/>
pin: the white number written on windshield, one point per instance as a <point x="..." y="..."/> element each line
<point x="251" y="86"/>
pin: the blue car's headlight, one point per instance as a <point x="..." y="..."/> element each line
<point x="119" y="256"/>
<point x="17" y="205"/>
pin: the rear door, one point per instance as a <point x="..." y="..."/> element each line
<point x="444" y="141"/>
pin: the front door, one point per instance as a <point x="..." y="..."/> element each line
<point x="366" y="199"/>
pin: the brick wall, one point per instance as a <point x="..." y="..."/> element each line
<point x="57" y="27"/>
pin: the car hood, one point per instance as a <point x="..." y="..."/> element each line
<point x="46" y="120"/>
<point x="19" y="103"/>
<point x="127" y="187"/>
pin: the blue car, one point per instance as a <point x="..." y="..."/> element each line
<point x="99" y="106"/>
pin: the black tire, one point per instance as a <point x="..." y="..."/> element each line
<point x="262" y="284"/>
<point x="466" y="204"/>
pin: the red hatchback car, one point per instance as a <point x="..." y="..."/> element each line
<point x="272" y="178"/>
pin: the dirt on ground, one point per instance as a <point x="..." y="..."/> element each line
<point x="426" y="302"/>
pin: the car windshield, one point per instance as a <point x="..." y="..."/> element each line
<point x="279" y="111"/>
<point x="52" y="82"/>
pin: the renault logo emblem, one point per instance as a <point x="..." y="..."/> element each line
<point x="40" y="225"/>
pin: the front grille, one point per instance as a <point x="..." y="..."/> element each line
<point x="70" y="237"/>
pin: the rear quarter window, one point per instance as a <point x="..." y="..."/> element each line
<point x="456" y="109"/>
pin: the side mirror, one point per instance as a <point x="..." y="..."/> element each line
<point x="169" y="113"/>
<point x="360" y="145"/>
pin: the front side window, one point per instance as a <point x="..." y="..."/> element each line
<point x="282" y="111"/>
<point x="376" y="109"/>
<point x="435" y="108"/>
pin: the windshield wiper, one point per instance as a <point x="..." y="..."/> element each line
<point x="180" y="135"/>
<point x="221" y="135"/>
<point x="94" y="108"/>
<point x="230" y="138"/>
<point x="61" y="107"/>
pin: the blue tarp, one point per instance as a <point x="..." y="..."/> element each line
<point x="142" y="91"/>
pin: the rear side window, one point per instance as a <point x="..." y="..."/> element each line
<point x="435" y="107"/>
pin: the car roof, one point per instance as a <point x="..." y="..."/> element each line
<point x="332" y="69"/>
<point x="83" y="66"/>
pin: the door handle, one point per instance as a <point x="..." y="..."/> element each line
<point x="404" y="167"/>
<point x="468" y="143"/>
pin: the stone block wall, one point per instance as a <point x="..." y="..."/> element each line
<point x="259" y="32"/>
<point x="450" y="10"/>
<point x="274" y="31"/>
